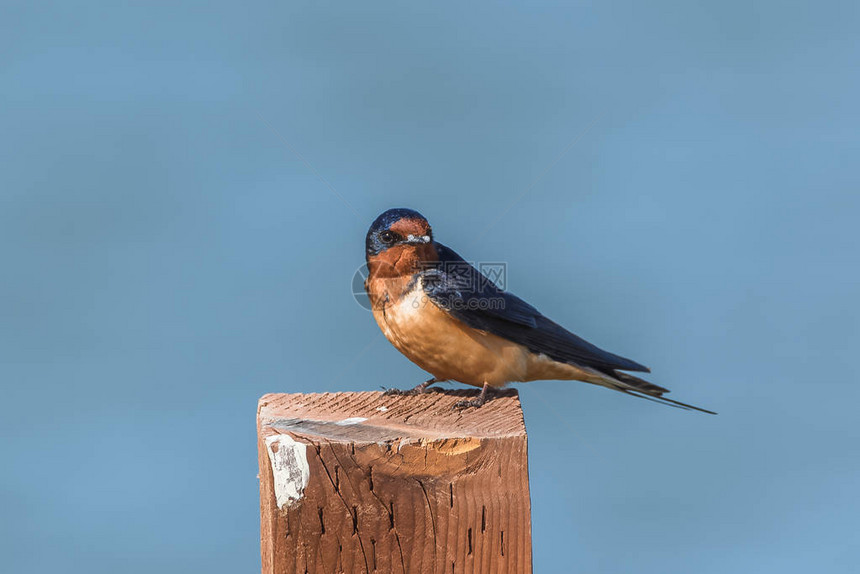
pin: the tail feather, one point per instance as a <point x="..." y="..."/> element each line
<point x="639" y="384"/>
<point x="636" y="387"/>
<point x="664" y="401"/>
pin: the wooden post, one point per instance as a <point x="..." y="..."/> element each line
<point x="364" y="483"/>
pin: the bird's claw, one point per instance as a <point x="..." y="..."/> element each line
<point x="403" y="393"/>
<point x="417" y="390"/>
<point x="460" y="405"/>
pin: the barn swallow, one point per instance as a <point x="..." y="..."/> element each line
<point x="455" y="323"/>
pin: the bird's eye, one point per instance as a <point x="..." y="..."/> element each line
<point x="387" y="237"/>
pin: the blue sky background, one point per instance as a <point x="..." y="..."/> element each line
<point x="677" y="182"/>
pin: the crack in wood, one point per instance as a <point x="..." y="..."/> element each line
<point x="340" y="496"/>
<point x="430" y="512"/>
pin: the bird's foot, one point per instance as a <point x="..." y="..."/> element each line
<point x="478" y="401"/>
<point x="402" y="392"/>
<point x="416" y="390"/>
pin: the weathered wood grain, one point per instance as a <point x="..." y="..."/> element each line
<point x="364" y="483"/>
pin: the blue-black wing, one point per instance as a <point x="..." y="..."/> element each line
<point x="468" y="295"/>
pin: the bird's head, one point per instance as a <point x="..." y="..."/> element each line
<point x="398" y="243"/>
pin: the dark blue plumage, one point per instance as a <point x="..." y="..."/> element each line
<point x="373" y="243"/>
<point x="471" y="297"/>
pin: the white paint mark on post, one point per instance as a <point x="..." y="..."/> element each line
<point x="290" y="468"/>
<point x="351" y="421"/>
<point x="404" y="441"/>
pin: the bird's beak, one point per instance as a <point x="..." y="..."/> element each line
<point x="417" y="239"/>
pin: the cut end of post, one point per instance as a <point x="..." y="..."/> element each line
<point x="377" y="417"/>
<point x="369" y="482"/>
